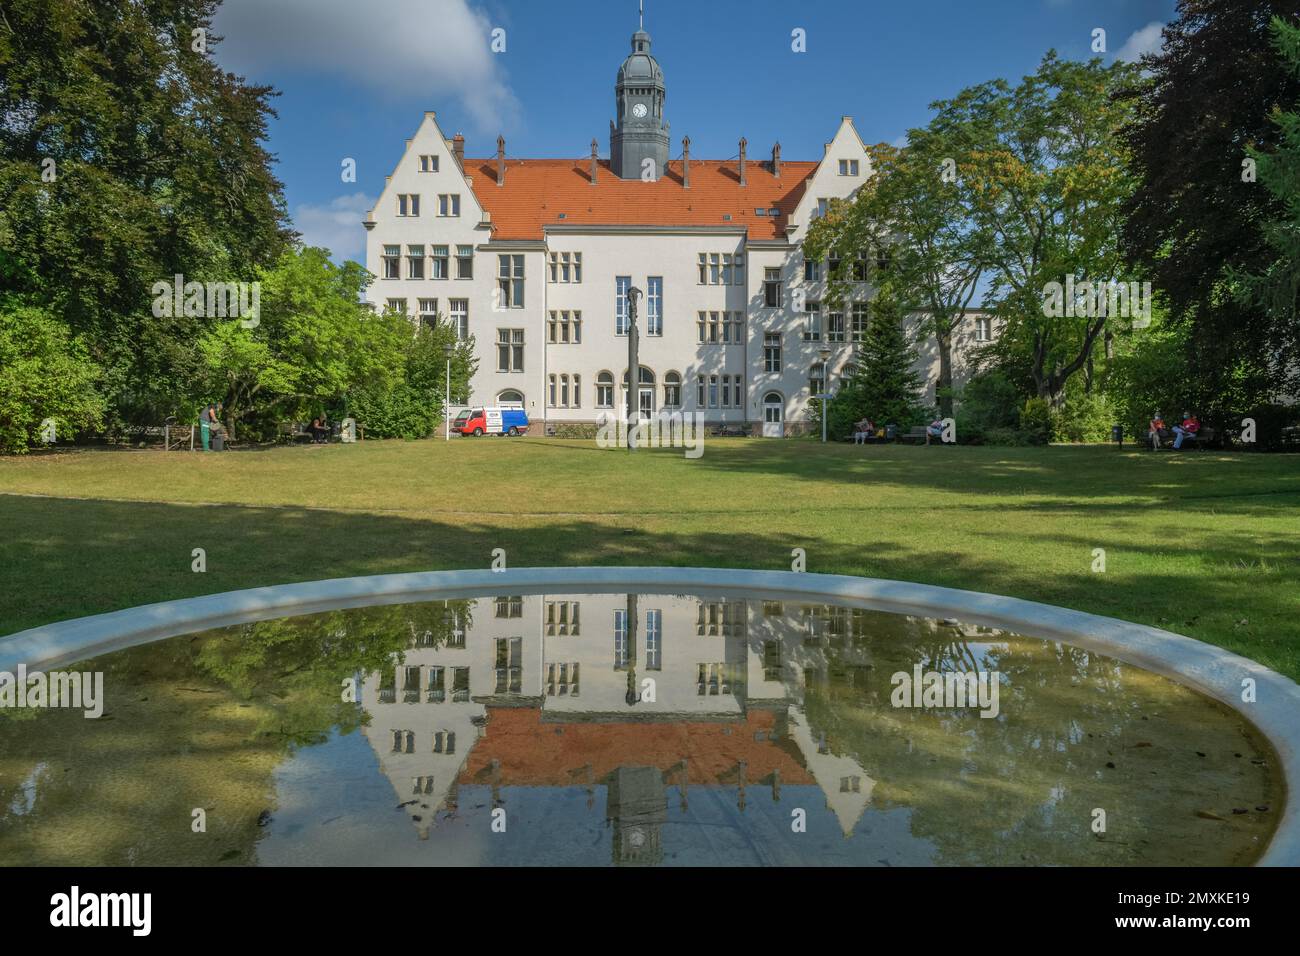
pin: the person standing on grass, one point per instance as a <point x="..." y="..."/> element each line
<point x="1154" y="428"/>
<point x="1188" y="429"/>
<point x="205" y="426"/>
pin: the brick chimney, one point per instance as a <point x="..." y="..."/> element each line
<point x="458" y="150"/>
<point x="776" y="160"/>
<point x="743" y="143"/>
<point x="595" y="164"/>
<point x="501" y="160"/>
<point x="686" y="162"/>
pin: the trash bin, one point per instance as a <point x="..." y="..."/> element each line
<point x="218" y="439"/>
<point x="1117" y="435"/>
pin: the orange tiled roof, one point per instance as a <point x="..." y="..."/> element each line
<point x="533" y="753"/>
<point x="537" y="191"/>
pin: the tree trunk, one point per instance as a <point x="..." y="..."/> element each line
<point x="944" y="388"/>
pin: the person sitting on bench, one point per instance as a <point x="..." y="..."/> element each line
<point x="934" y="430"/>
<point x="1188" y="429"/>
<point x="1154" y="428"/>
<point x="863" y="430"/>
<point x="319" y="431"/>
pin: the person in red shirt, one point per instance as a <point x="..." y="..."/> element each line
<point x="1188" y="429"/>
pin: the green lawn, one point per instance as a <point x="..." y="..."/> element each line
<point x="1201" y="543"/>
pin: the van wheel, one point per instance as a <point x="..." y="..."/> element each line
<point x="478" y="433"/>
<point x="514" y="432"/>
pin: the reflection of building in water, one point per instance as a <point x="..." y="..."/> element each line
<point x="618" y="691"/>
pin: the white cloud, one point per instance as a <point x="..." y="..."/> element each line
<point x="336" y="226"/>
<point x="438" y="49"/>
<point x="1145" y="40"/>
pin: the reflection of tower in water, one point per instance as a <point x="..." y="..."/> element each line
<point x="637" y="807"/>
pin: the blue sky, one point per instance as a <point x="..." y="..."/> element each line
<point x="356" y="75"/>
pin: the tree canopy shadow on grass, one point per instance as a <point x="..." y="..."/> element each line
<point x="69" y="558"/>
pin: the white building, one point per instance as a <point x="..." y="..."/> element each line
<point x="534" y="259"/>
<point x="565" y="689"/>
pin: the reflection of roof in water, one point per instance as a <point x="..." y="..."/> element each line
<point x="549" y="754"/>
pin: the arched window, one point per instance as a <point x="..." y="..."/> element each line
<point x="605" y="390"/>
<point x="646" y="377"/>
<point x="672" y="390"/>
<point x="510" y="395"/>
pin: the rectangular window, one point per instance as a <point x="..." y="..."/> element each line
<point x="654" y="637"/>
<point x="772" y="288"/>
<point x="983" y="330"/>
<point x="439" y="262"/>
<point x="428" y="313"/>
<point x="713" y="391"/>
<point x="812" y="330"/>
<point x="510" y="281"/>
<point x="459" y="309"/>
<point x="415" y="262"/>
<point x="833" y="264"/>
<point x="726" y="391"/>
<point x="392" y="262"/>
<point x="620" y="639"/>
<point x="604" y="390"/>
<point x="566" y="267"/>
<point x="654" y="305"/>
<point x="428" y="164"/>
<point x="772" y="352"/>
<point x="449" y="204"/>
<point x="621" y="317"/>
<point x="812" y="270"/>
<point x="397" y="305"/>
<point x="464" y="262"/>
<point x="699" y="391"/>
<point x="823" y="207"/>
<point x="816" y="380"/>
<point x="408" y="204"/>
<point x="859" y="327"/>
<point x="835" y="327"/>
<point x="738" y="391"/>
<point x="510" y="350"/>
<point x="860" y="268"/>
<point x="848" y="167"/>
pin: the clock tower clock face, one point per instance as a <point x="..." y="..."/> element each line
<point x="639" y="111"/>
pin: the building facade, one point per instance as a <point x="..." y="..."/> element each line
<point x="537" y="260"/>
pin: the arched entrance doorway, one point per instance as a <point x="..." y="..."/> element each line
<point x="773" y="415"/>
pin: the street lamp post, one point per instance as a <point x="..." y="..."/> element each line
<point x="633" y="366"/>
<point x="826" y="388"/>
<point x="448" y="350"/>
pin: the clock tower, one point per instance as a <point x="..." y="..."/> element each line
<point x="638" y="143"/>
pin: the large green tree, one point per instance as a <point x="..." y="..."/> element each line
<point x="1274" y="284"/>
<point x="128" y="156"/>
<point x="914" y="220"/>
<point x="1196" y="220"/>
<point x="1047" y="180"/>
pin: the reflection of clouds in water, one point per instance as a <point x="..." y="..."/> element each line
<point x="24" y="801"/>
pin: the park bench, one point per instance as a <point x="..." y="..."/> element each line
<point x="730" y="431"/>
<point x="293" y="431"/>
<point x="915" y="433"/>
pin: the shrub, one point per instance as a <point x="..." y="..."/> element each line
<point x="45" y="373"/>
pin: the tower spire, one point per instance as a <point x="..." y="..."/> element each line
<point x="640" y="9"/>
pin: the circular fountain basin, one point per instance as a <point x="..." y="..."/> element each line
<point x="768" y="692"/>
